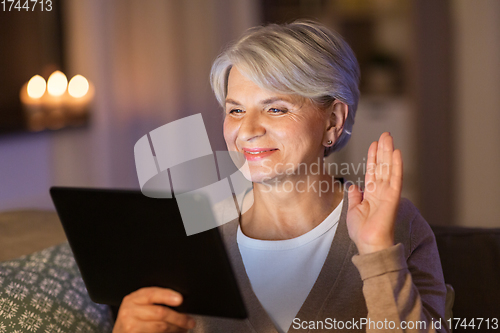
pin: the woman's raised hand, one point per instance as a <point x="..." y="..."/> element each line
<point x="372" y="214"/>
<point x="140" y="312"/>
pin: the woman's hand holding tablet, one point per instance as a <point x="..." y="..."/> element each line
<point x="143" y="311"/>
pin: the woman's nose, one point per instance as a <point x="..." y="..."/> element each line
<point x="251" y="127"/>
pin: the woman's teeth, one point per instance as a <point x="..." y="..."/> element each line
<point x="258" y="152"/>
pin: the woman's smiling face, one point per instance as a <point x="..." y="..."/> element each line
<point x="275" y="132"/>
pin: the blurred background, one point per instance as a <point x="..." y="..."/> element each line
<point x="430" y="76"/>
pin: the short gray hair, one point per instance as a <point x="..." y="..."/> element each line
<point x="303" y="58"/>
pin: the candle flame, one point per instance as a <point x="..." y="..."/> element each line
<point x="36" y="86"/>
<point x="57" y="83"/>
<point x="78" y="86"/>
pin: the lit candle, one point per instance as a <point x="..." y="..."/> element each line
<point x="56" y="104"/>
<point x="31" y="95"/>
<point x="36" y="87"/>
<point x="57" y="83"/>
<point x="78" y="86"/>
<point x="81" y="93"/>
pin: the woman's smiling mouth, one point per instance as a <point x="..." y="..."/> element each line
<point x="252" y="154"/>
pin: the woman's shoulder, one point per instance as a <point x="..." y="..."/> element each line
<point x="406" y="210"/>
<point x="411" y="228"/>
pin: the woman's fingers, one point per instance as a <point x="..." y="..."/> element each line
<point x="144" y="311"/>
<point x="164" y="314"/>
<point x="371" y="164"/>
<point x="397" y="170"/>
<point x="158" y="326"/>
<point x="389" y="162"/>
<point x="178" y="319"/>
<point x="155" y="295"/>
<point x="147" y="326"/>
<point x="380" y="151"/>
<point x="385" y="148"/>
<point x="387" y="157"/>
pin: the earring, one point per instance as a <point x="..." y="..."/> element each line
<point x="329" y="142"/>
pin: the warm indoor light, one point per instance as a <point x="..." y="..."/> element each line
<point x="47" y="105"/>
<point x="57" y="83"/>
<point x="78" y="86"/>
<point x="36" y="86"/>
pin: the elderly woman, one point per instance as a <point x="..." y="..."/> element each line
<point x="310" y="253"/>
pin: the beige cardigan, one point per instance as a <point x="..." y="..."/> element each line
<point x="402" y="283"/>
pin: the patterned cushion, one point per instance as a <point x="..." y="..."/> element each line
<point x="44" y="292"/>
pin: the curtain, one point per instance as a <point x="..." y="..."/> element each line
<point x="150" y="63"/>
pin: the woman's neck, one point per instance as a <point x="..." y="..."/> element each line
<point x="288" y="209"/>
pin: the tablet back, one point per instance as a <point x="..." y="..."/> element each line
<point x="123" y="241"/>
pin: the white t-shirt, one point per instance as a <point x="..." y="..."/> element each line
<point x="282" y="273"/>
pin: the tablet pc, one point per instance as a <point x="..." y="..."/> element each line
<point x="123" y="241"/>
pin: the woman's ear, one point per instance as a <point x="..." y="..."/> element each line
<point x="337" y="115"/>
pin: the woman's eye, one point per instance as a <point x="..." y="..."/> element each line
<point x="277" y="111"/>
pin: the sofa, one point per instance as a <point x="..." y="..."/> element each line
<point x="470" y="258"/>
<point x="44" y="292"/>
